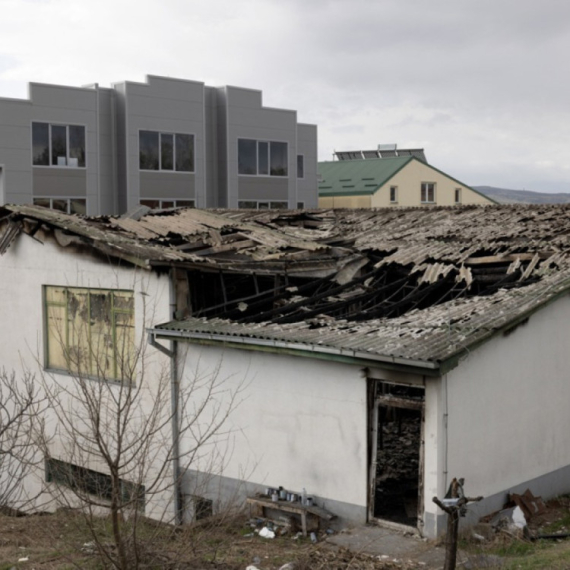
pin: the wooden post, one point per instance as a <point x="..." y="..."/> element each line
<point x="453" y="514"/>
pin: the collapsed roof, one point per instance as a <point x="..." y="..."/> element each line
<point x="418" y="284"/>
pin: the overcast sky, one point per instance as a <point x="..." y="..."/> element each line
<point x="482" y="85"/>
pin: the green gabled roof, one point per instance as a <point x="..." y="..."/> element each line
<point x="358" y="177"/>
<point x="364" y="177"/>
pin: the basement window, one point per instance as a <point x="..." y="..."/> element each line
<point x="89" y="482"/>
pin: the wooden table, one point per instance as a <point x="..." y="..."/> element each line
<point x="296" y="508"/>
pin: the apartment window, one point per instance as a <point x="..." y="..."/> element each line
<point x="159" y="204"/>
<point x="300" y="166"/>
<point x="58" y="145"/>
<point x="89" y="332"/>
<point x="393" y="194"/>
<point x="172" y="152"/>
<point x="91" y="482"/>
<point x="67" y="205"/>
<point x="458" y="195"/>
<point x="262" y="205"/>
<point x="428" y="192"/>
<point x="262" y="158"/>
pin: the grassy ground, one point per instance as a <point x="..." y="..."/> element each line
<point x="62" y="541"/>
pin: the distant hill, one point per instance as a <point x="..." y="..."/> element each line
<point x="505" y="196"/>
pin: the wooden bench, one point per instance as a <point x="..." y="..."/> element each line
<point x="264" y="503"/>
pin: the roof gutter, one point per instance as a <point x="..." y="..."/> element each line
<point x="347" y="355"/>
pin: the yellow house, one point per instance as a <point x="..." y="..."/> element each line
<point x="386" y="182"/>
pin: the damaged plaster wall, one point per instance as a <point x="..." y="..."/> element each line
<point x="508" y="412"/>
<point x="28" y="265"/>
<point x="297" y="423"/>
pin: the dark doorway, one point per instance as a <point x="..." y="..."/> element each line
<point x="396" y="467"/>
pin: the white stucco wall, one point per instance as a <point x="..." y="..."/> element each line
<point x="508" y="418"/>
<point x="25" y="268"/>
<point x="300" y="423"/>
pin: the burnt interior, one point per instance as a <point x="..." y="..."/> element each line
<point x="397" y="477"/>
<point x="387" y="291"/>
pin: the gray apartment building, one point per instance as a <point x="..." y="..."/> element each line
<point x="162" y="143"/>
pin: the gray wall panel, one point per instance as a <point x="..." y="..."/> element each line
<point x="240" y="97"/>
<point x="266" y="188"/>
<point x="167" y="185"/>
<point x="59" y="181"/>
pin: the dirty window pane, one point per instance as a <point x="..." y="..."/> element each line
<point x="247" y="156"/>
<point x="124" y="345"/>
<point x="43" y="202"/>
<point x="184" y="203"/>
<point x="56" y="337"/>
<point x="78" y="345"/>
<point x="90" y="332"/>
<point x="278" y="159"/>
<point x="101" y="341"/>
<point x="278" y="205"/>
<point x="40" y="144"/>
<point x="184" y="153"/>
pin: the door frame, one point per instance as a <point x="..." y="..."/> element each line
<point x="402" y="403"/>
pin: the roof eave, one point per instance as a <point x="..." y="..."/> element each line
<point x="348" y="356"/>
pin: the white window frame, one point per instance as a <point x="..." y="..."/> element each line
<point x="268" y="175"/>
<point x="67" y="157"/>
<point x="395" y="200"/>
<point x="425" y="189"/>
<point x="160" y="169"/>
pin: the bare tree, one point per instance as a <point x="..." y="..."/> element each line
<point x="20" y="407"/>
<point x="115" y="422"/>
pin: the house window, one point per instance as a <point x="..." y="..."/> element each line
<point x="300" y="166"/>
<point x="166" y="151"/>
<point x="67" y="205"/>
<point x="393" y="194"/>
<point x="458" y="195"/>
<point x="262" y="205"/>
<point x="89" y="332"/>
<point x="262" y="158"/>
<point x="428" y="193"/>
<point x="157" y="203"/>
<point x="91" y="482"/>
<point x="58" y="145"/>
<point x="300" y="205"/>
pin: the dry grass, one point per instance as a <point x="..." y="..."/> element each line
<point x="57" y="542"/>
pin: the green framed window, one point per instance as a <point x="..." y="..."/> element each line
<point x="89" y="332"/>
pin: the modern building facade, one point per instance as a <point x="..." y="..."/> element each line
<point x="165" y="142"/>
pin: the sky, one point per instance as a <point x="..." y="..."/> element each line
<point x="482" y="85"/>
